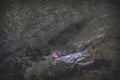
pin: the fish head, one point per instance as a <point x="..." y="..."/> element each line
<point x="55" y="55"/>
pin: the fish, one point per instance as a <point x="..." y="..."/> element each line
<point x="80" y="58"/>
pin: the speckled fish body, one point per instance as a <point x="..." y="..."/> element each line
<point x="71" y="58"/>
<point x="81" y="58"/>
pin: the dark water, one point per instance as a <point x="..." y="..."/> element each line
<point x="31" y="29"/>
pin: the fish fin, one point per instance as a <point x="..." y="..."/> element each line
<point x="73" y="65"/>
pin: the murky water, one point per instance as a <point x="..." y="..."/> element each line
<point x="30" y="30"/>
